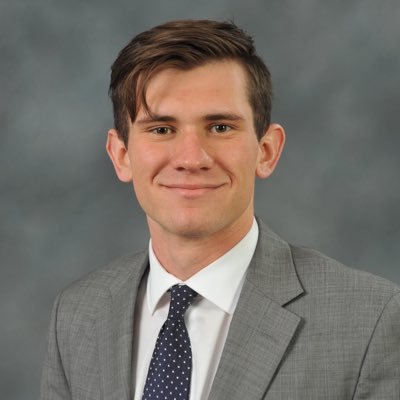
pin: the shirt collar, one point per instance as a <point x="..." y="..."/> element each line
<point x="220" y="282"/>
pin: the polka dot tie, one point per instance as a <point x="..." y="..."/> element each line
<point x="171" y="364"/>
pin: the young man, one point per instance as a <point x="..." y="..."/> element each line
<point x="219" y="307"/>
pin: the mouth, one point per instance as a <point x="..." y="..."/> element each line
<point x="191" y="191"/>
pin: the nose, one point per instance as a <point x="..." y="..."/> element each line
<point x="191" y="152"/>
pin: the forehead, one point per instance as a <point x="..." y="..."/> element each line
<point x="214" y="84"/>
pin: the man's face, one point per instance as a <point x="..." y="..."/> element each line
<point x="193" y="162"/>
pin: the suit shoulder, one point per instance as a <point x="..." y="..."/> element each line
<point x="89" y="293"/>
<point x="315" y="270"/>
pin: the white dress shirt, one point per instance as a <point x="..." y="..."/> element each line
<point x="207" y="320"/>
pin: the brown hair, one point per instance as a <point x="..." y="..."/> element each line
<point x="185" y="44"/>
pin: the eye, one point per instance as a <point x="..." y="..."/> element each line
<point x="220" y="128"/>
<point x="162" y="130"/>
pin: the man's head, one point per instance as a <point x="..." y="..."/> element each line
<point x="184" y="45"/>
<point x="194" y="100"/>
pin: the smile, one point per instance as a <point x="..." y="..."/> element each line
<point x="192" y="190"/>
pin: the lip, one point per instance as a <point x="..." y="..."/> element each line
<point x="191" y="190"/>
<point x="191" y="186"/>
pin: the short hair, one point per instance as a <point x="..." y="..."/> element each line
<point x="185" y="44"/>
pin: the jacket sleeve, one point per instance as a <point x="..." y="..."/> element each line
<point x="54" y="384"/>
<point x="380" y="371"/>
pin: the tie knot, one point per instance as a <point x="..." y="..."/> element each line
<point x="181" y="298"/>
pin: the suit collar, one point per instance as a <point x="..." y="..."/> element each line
<point x="115" y="328"/>
<point x="261" y="329"/>
<point x="272" y="270"/>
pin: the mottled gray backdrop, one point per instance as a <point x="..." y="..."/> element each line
<point x="336" y="68"/>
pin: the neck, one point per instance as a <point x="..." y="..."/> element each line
<point x="184" y="256"/>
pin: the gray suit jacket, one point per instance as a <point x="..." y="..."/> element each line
<point x="305" y="327"/>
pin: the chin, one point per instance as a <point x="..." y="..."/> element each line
<point x="191" y="231"/>
<point x="193" y="227"/>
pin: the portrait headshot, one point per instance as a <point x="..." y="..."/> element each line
<point x="204" y="203"/>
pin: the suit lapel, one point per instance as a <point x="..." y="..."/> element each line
<point x="261" y="328"/>
<point x="115" y="331"/>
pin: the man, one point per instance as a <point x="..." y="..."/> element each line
<point x="219" y="307"/>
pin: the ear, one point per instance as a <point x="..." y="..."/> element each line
<point x="119" y="156"/>
<point x="271" y="146"/>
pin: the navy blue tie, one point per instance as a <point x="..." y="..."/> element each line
<point x="171" y="364"/>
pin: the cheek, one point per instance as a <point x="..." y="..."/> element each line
<point x="245" y="158"/>
<point x="145" y="160"/>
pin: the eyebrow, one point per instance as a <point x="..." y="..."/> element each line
<point x="223" y="116"/>
<point x="155" y="118"/>
<point x="208" y="117"/>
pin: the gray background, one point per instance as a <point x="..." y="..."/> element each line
<point x="336" y="71"/>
